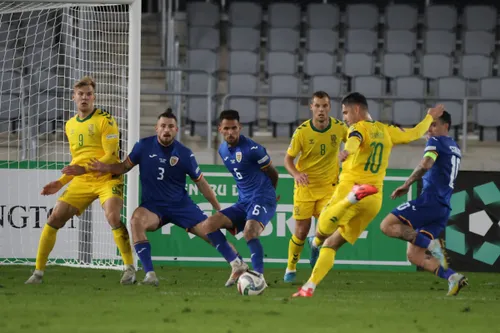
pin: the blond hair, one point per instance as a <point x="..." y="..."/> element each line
<point x="85" y="82"/>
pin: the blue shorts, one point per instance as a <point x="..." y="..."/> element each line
<point x="260" y="211"/>
<point x="185" y="214"/>
<point x="424" y="215"/>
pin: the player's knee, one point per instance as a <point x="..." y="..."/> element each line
<point x="302" y="228"/>
<point x="138" y="222"/>
<point x="386" y="227"/>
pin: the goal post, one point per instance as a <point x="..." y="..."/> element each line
<point x="45" y="47"/>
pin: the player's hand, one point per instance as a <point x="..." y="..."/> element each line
<point x="436" y="111"/>
<point x="400" y="191"/>
<point x="302" y="179"/>
<point x="97" y="166"/>
<point x="73" y="170"/>
<point x="51" y="188"/>
<point x="343" y="155"/>
<point x="278" y="198"/>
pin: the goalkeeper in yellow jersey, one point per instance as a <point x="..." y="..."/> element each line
<point x="316" y="172"/>
<point x="92" y="133"/>
<point x="358" y="197"/>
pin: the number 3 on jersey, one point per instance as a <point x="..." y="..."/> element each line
<point x="161" y="173"/>
<point x="237" y="174"/>
<point x="455" y="166"/>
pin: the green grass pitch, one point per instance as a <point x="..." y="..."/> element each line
<point x="195" y="300"/>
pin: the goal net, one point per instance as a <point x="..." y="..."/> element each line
<point x="45" y="47"/>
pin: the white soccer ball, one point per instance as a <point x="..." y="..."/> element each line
<point x="251" y="284"/>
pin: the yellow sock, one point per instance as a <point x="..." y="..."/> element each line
<point x="323" y="265"/>
<point x="295" y="247"/>
<point x="329" y="219"/>
<point x="122" y="240"/>
<point x="45" y="246"/>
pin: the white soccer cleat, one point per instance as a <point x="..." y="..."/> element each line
<point x="36" y="278"/>
<point x="238" y="267"/>
<point x="151" y="279"/>
<point x="437" y="250"/>
<point x="128" y="276"/>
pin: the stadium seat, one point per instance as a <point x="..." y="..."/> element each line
<point x="283" y="39"/>
<point x="475" y="66"/>
<point x="322" y="16"/>
<point x="400" y="41"/>
<point x="203" y="38"/>
<point x="322" y="40"/>
<point x="410" y="87"/>
<point x="202" y="14"/>
<point x="371" y="86"/>
<point x="245" y="14"/>
<point x="248" y="106"/>
<point x="196" y="107"/>
<point x="284" y="15"/>
<point x="479" y="17"/>
<point x="440" y="17"/>
<point x="455" y="109"/>
<point x="319" y="63"/>
<point x="328" y="83"/>
<point x="243" y="62"/>
<point x="281" y="63"/>
<point x="400" y="16"/>
<point x="489" y="87"/>
<point x="358" y="64"/>
<point x="374" y="108"/>
<point x="488" y="120"/>
<point x="451" y="87"/>
<point x="362" y="16"/>
<point x="202" y="60"/>
<point x="361" y="40"/>
<point x="479" y="42"/>
<point x="396" y="64"/>
<point x="439" y="41"/>
<point x="243" y="39"/>
<point x="407" y="113"/>
<point x="283" y="110"/>
<point x="434" y="66"/>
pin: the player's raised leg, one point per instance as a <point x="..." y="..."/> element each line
<point x="144" y="220"/>
<point x="332" y="213"/>
<point x="112" y="209"/>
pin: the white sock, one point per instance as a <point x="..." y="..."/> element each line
<point x="38" y="272"/>
<point x="236" y="262"/>
<point x="308" y="285"/>
<point x="151" y="274"/>
<point x="290" y="271"/>
<point x="351" y="197"/>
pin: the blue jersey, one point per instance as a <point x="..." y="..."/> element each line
<point x="439" y="181"/>
<point x="245" y="162"/>
<point x="163" y="169"/>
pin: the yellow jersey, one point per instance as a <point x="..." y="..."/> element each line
<point x="95" y="136"/>
<point x="368" y="164"/>
<point x="318" y="151"/>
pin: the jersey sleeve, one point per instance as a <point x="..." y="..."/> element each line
<point x="192" y="167"/>
<point x="135" y="155"/>
<point x="433" y="146"/>
<point x="356" y="131"/>
<point x="401" y="135"/>
<point x="295" y="146"/>
<point x="260" y="156"/>
<point x="345" y="131"/>
<point x="110" y="140"/>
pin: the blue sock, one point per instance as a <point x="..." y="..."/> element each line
<point x="422" y="241"/>
<point x="143" y="250"/>
<point x="220" y="243"/>
<point x="257" y="255"/>
<point x="444" y="274"/>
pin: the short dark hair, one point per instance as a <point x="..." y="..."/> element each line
<point x="229" y="115"/>
<point x="168" y="114"/>
<point x="446" y="118"/>
<point x="355" y="98"/>
<point x="320" y="94"/>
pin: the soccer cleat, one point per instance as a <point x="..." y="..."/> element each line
<point x="290" y="277"/>
<point x="314" y="251"/>
<point x="456" y="282"/>
<point x="304" y="292"/>
<point x="128" y="276"/>
<point x="35" y="278"/>
<point x="438" y="252"/>
<point x="151" y="279"/>
<point x="238" y="267"/>
<point x="362" y="191"/>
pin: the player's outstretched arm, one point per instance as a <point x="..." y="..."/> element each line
<point x="425" y="164"/>
<point x="406" y="135"/>
<point x="208" y="193"/>
<point x="115" y="168"/>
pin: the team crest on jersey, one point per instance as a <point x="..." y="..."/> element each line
<point x="333" y="139"/>
<point x="239" y="156"/>
<point x="91" y="130"/>
<point x="173" y="160"/>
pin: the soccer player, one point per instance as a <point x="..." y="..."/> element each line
<point x="92" y="133"/>
<point x="358" y="197"/>
<point x="164" y="164"/>
<point x="316" y="173"/>
<point x="256" y="180"/>
<point x="422" y="220"/>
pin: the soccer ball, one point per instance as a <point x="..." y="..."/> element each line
<point x="251" y="284"/>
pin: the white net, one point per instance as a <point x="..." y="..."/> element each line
<point x="44" y="49"/>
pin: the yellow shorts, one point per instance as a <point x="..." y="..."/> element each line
<point x="82" y="192"/>
<point x="307" y="203"/>
<point x="358" y="216"/>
